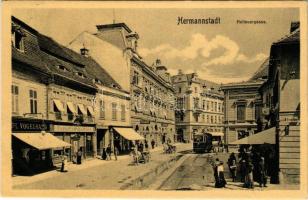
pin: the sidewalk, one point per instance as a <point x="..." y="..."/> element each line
<point x="239" y="186"/>
<point x="114" y="173"/>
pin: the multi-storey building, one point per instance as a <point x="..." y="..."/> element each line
<point x="243" y="106"/>
<point x="281" y="103"/>
<point x="58" y="97"/>
<point x="199" y="106"/>
<point x="114" y="46"/>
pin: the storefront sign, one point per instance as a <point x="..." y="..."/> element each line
<point x="62" y="128"/>
<point x="29" y="126"/>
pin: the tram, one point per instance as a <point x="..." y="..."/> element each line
<point x="202" y="143"/>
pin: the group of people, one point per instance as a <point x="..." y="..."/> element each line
<point x="106" y="153"/>
<point x="251" y="167"/>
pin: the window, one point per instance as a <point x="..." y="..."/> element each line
<point x="15" y="93"/>
<point x="33" y="102"/>
<point x="211" y="119"/>
<point x="123" y="112"/>
<point x="207" y="119"/>
<point x="180" y="90"/>
<point x="196" y="90"/>
<point x="218" y="107"/>
<point x="136" y="78"/>
<point x="80" y="74"/>
<point x="215" y="109"/>
<point x="17" y="41"/>
<point x="241" y="112"/>
<point x="258" y="111"/>
<point x="114" y="111"/>
<point x="102" y="109"/>
<point x="203" y="104"/>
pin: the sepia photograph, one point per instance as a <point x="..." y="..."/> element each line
<point x="179" y="97"/>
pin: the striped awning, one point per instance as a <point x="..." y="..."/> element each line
<point x="81" y="108"/>
<point x="71" y="107"/>
<point x="59" y="105"/>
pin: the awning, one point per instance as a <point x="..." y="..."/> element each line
<point x="71" y="106"/>
<point x="41" y="141"/>
<point x="217" y="134"/>
<point x="81" y="108"/>
<point x="265" y="137"/>
<point x="129" y="133"/>
<point x="91" y="111"/>
<point x="59" y="105"/>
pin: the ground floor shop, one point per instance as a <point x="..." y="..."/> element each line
<point x="81" y="138"/>
<point x="121" y="137"/>
<point x="155" y="131"/>
<point x="33" y="146"/>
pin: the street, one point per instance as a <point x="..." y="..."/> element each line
<point x="187" y="171"/>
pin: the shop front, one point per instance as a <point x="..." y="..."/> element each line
<point x="81" y="138"/>
<point x="33" y="146"/>
<point x="124" y="138"/>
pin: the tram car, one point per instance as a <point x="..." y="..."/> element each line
<point x="202" y="143"/>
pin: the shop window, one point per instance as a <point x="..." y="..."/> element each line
<point x="15" y="94"/>
<point x="17" y="41"/>
<point x="241" y="112"/>
<point x="123" y="112"/>
<point x="33" y="102"/>
<point x="114" y="111"/>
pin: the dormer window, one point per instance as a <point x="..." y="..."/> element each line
<point x="17" y="41"/>
<point x="63" y="68"/>
<point x="97" y="81"/>
<point x="80" y="74"/>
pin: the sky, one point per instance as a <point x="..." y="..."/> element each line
<point x="225" y="52"/>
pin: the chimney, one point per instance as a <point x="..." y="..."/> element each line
<point x="180" y="72"/>
<point x="84" y="51"/>
<point x="294" y="26"/>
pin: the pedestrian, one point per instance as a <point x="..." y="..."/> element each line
<point x="140" y="147"/>
<point x="262" y="172"/>
<point x="104" y="154"/>
<point x="249" y="175"/>
<point x="215" y="166"/>
<point x="243" y="170"/>
<point x="230" y="160"/>
<point x="116" y="152"/>
<point x="153" y="143"/>
<point x="221" y="178"/>
<point x="108" y="151"/>
<point x="233" y="169"/>
<point x="79" y="155"/>
<point x="63" y="163"/>
<point x="146" y="145"/>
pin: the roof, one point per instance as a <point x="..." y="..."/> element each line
<point x="99" y="73"/>
<point x="262" y="71"/>
<point x="116" y="25"/>
<point x="290" y="38"/>
<point x="208" y="84"/>
<point x="244" y="84"/>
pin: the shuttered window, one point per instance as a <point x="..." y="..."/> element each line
<point x="33" y="102"/>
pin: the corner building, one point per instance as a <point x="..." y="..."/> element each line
<point x="199" y="107"/>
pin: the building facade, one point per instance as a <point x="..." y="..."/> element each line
<point x="114" y="46"/>
<point x="281" y="103"/>
<point x="199" y="106"/>
<point x="243" y="107"/>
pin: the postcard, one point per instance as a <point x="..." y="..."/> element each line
<point x="154" y="99"/>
